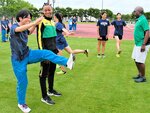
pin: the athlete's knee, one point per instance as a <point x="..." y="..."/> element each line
<point x="43" y="74"/>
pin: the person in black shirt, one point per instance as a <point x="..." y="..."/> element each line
<point x="102" y="32"/>
<point x="118" y="33"/>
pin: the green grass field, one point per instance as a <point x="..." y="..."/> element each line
<point x="95" y="85"/>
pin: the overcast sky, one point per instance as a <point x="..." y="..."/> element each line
<point x="122" y="6"/>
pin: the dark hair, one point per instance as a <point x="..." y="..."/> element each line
<point x="118" y="13"/>
<point x="23" y="14"/>
<point x="102" y="13"/>
<point x="46" y="4"/>
<point x="59" y="17"/>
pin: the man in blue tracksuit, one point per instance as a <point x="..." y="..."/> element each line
<point x="74" y="23"/>
<point x="4" y="29"/>
<point x="21" y="55"/>
<point x="70" y="23"/>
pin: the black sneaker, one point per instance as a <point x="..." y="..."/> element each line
<point x="86" y="52"/>
<point x="138" y="76"/>
<point x="119" y="52"/>
<point x="48" y="100"/>
<point x="74" y="57"/>
<point x="98" y="55"/>
<point x="140" y="79"/>
<point x="54" y="92"/>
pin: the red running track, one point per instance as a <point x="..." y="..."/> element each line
<point x="90" y="31"/>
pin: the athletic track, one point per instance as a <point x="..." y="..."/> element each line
<point x="90" y="31"/>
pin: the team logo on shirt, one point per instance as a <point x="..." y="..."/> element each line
<point x="104" y="23"/>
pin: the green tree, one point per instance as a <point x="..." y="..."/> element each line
<point x="69" y="11"/>
<point x="11" y="7"/>
<point x="61" y="10"/>
<point x="75" y="12"/>
<point x="6" y="2"/>
<point x="109" y="12"/>
<point x="126" y="17"/>
<point x="147" y="14"/>
<point x="81" y="13"/>
<point x="96" y="13"/>
<point x="90" y="11"/>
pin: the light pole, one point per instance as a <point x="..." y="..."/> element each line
<point x="53" y="3"/>
<point x="48" y="1"/>
<point x="102" y="4"/>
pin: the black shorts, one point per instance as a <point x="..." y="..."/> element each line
<point x="103" y="38"/>
<point x="119" y="36"/>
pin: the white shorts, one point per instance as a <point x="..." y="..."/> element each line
<point x="139" y="56"/>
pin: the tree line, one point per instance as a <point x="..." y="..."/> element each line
<point x="9" y="8"/>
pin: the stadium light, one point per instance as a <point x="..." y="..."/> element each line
<point x="53" y="3"/>
<point x="48" y="1"/>
<point x="102" y="4"/>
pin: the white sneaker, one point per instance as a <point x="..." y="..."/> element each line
<point x="98" y="56"/>
<point x="70" y="62"/>
<point x="24" y="108"/>
<point x="103" y="56"/>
